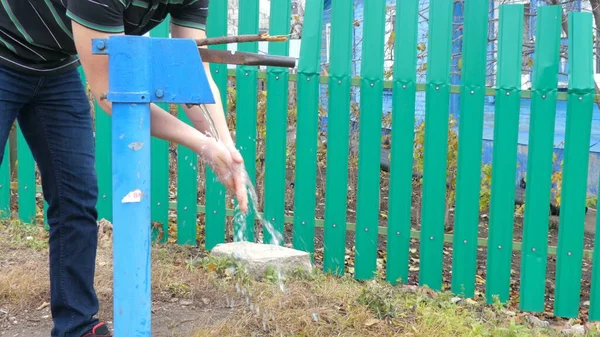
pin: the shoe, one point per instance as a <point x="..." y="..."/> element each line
<point x="99" y="330"/>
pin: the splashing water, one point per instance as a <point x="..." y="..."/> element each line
<point x="276" y="238"/>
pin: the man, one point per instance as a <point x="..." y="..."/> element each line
<point x="42" y="43"/>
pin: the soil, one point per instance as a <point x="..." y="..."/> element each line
<point x="168" y="319"/>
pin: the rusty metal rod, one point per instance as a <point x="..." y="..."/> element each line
<point x="242" y="58"/>
<point x="240" y="39"/>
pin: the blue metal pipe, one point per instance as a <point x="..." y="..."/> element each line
<point x="131" y="219"/>
<point x="130" y="78"/>
<point x="141" y="70"/>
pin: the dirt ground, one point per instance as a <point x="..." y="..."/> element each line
<point x="168" y="319"/>
<point x="184" y="302"/>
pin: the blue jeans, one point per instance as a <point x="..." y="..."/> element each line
<point x="54" y="115"/>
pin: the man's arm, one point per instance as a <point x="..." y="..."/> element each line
<point x="163" y="124"/>
<point x="215" y="110"/>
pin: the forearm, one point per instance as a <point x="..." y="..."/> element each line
<point x="165" y="126"/>
<point x="215" y="110"/>
<point x="216" y="113"/>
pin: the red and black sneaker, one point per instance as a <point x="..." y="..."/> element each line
<point x="99" y="330"/>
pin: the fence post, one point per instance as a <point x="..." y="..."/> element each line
<point x="141" y="70"/>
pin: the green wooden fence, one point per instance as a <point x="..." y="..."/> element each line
<point x="465" y="240"/>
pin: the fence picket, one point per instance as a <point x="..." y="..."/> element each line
<point x="103" y="138"/>
<point x="504" y="161"/>
<point x="338" y="121"/>
<point x="369" y="152"/>
<point x="26" y="174"/>
<point x="5" y="183"/>
<point x="215" y="191"/>
<point x="437" y="108"/>
<point x="594" y="314"/>
<point x="576" y="158"/>
<point x="539" y="162"/>
<point x="403" y="117"/>
<point x="276" y="123"/>
<point x="187" y="190"/>
<point x="468" y="179"/>
<point x="160" y="168"/>
<point x="307" y="124"/>
<point x="246" y="119"/>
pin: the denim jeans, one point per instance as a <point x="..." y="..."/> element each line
<point x="53" y="113"/>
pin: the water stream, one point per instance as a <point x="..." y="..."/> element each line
<point x="240" y="222"/>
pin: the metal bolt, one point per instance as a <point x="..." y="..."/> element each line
<point x="437" y="88"/>
<point x="158" y="204"/>
<point x="101" y="45"/>
<point x="472" y="92"/>
<point x="216" y="70"/>
<point x="25" y="187"/>
<point x="533" y="249"/>
<point x="334" y="225"/>
<point x="185" y="208"/>
<point x="397" y="233"/>
<point x="308" y="78"/>
<point x="580" y="98"/>
<point x="214" y="212"/>
<point x="339" y="82"/>
<point x="277" y="77"/>
<point x="0" y="186"/>
<point x="104" y="196"/>
<point x="465" y="241"/>
<point x="304" y="222"/>
<point x="431" y="238"/>
<point x="372" y="84"/>
<point x="272" y="219"/>
<point x="499" y="247"/>
<point x="246" y="74"/>
<point x="366" y="229"/>
<point x="404" y="86"/>
<point x="159" y="93"/>
<point x="569" y="253"/>
<point x="543" y="96"/>
<point x="507" y="93"/>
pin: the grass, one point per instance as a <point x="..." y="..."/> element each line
<point x="304" y="304"/>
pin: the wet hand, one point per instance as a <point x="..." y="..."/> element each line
<point x="228" y="165"/>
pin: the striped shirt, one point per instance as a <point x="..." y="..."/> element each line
<point x="36" y="35"/>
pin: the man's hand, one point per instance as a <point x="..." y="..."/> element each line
<point x="237" y="181"/>
<point x="228" y="165"/>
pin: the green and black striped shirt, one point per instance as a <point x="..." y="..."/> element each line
<point x="36" y="35"/>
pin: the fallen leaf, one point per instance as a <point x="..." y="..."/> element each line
<point x="45" y="304"/>
<point x="371" y="321"/>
